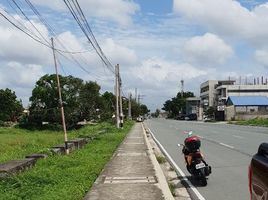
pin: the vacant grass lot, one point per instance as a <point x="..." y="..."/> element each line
<point x="253" y="122"/>
<point x="60" y="177"/>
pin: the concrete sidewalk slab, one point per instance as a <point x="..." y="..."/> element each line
<point x="130" y="174"/>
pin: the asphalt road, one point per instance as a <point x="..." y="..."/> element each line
<point x="227" y="148"/>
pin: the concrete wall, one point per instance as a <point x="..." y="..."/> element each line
<point x="245" y="113"/>
<point x="230" y="113"/>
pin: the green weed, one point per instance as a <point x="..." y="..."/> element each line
<point x="65" y="177"/>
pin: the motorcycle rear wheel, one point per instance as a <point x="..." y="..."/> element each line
<point x="204" y="181"/>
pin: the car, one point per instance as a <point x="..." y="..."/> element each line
<point x="180" y="117"/>
<point x="258" y="174"/>
<point x="191" y="116"/>
<point x="140" y="119"/>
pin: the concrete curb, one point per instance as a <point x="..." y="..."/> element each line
<point x="162" y="182"/>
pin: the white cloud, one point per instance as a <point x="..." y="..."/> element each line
<point x="119" y="53"/>
<point x="157" y="73"/>
<point x="17" y="46"/>
<point x="208" y="49"/>
<point x="119" y="11"/>
<point x="227" y="17"/>
<point x="261" y="57"/>
<point x="20" y="78"/>
<point x="18" y="75"/>
<point x="114" y="51"/>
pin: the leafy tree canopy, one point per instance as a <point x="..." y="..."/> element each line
<point x="10" y="107"/>
<point x="177" y="104"/>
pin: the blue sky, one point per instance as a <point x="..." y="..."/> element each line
<point x="156" y="42"/>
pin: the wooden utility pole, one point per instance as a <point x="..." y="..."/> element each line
<point x="129" y="106"/>
<point x="60" y="99"/>
<point x="117" y="94"/>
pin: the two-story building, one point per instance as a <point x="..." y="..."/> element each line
<point x="215" y="93"/>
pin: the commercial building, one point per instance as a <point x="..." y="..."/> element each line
<point x="207" y="93"/>
<point x="246" y="107"/>
<point x="215" y="93"/>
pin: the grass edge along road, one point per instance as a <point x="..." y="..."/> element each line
<point x="65" y="177"/>
<point x="263" y="122"/>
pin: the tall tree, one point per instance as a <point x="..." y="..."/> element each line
<point x="45" y="100"/>
<point x="177" y="104"/>
<point x="107" y="106"/>
<point x="90" y="100"/>
<point x="10" y="107"/>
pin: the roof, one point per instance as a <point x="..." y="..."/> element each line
<point x="247" y="100"/>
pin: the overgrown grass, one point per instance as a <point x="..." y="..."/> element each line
<point x="65" y="177"/>
<point x="16" y="143"/>
<point x="253" y="122"/>
<point x="161" y="159"/>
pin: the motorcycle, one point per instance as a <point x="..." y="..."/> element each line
<point x="194" y="159"/>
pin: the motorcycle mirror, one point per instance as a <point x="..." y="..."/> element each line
<point x="180" y="145"/>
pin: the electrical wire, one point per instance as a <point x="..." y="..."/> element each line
<point x="76" y="11"/>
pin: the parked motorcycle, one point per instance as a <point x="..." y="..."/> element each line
<point x="195" y="163"/>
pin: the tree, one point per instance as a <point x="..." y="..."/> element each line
<point x="90" y="100"/>
<point x="144" y="109"/>
<point x="10" y="107"/>
<point x="107" y="106"/>
<point x="45" y="100"/>
<point x="177" y="104"/>
<point x="156" y="113"/>
<point x="210" y="112"/>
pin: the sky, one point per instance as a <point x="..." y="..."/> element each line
<point x="157" y="43"/>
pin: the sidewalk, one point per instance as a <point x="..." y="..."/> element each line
<point x="132" y="174"/>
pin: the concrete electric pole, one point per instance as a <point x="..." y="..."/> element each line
<point x="121" y="116"/>
<point x="117" y="94"/>
<point x="129" y="106"/>
<point x="60" y="99"/>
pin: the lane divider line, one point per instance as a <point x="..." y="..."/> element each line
<point x="226" y="145"/>
<point x="237" y="136"/>
<point x="176" y="167"/>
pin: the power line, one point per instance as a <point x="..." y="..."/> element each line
<point x="35" y="37"/>
<point x="52" y="31"/>
<point x="30" y="21"/>
<point x="76" y="11"/>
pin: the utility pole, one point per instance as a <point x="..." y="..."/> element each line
<point x="120" y="101"/>
<point x="60" y="99"/>
<point x="136" y="95"/>
<point x="140" y="96"/>
<point x="117" y="94"/>
<point x="129" y="106"/>
<point x="182" y="87"/>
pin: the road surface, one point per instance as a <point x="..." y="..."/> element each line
<point x="227" y="148"/>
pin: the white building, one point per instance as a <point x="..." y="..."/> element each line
<point x="207" y="93"/>
<point x="215" y="93"/>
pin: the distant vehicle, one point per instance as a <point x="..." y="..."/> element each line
<point x="192" y="116"/>
<point x="140" y="119"/>
<point x="180" y="117"/>
<point x="207" y="119"/>
<point x="258" y="174"/>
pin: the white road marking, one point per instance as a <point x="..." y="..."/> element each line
<point x="197" y="193"/>
<point x="237" y="136"/>
<point x="226" y="145"/>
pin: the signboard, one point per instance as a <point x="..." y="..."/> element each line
<point x="220" y="108"/>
